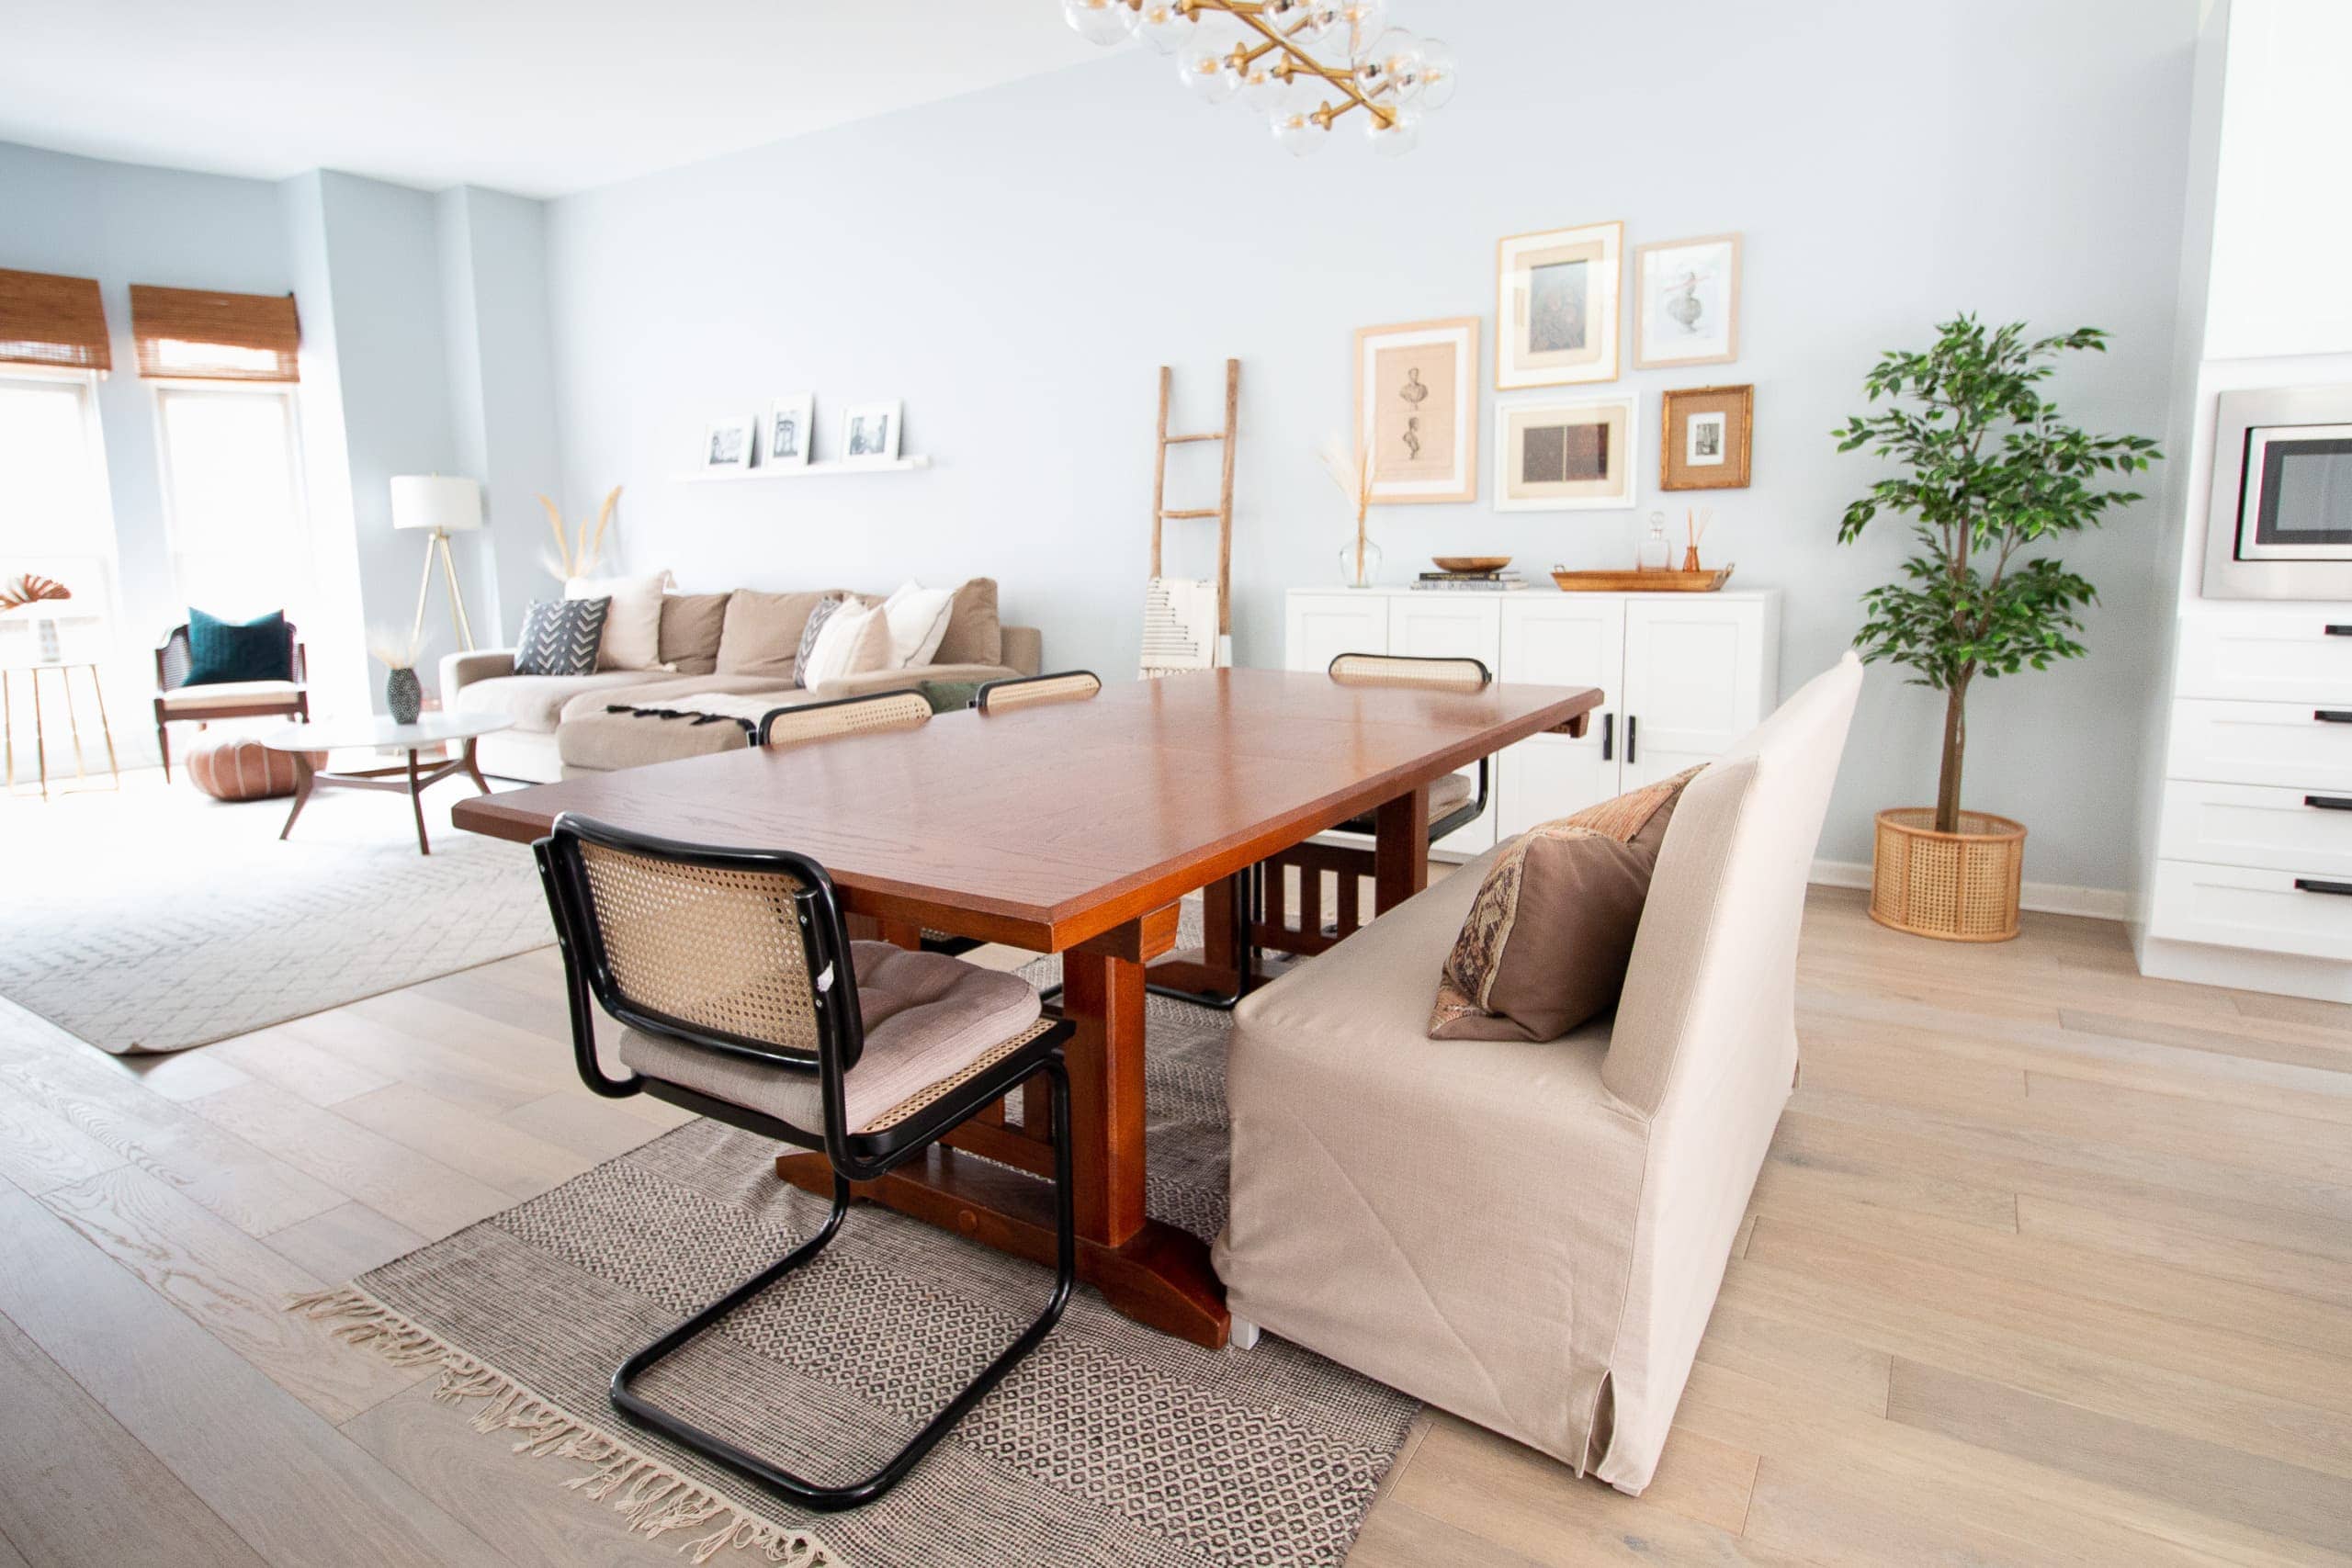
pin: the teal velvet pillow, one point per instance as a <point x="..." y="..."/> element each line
<point x="220" y="650"/>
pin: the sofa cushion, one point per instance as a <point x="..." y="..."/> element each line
<point x="854" y="640"/>
<point x="1547" y="942"/>
<point x="192" y="702"/>
<point x="561" y="638"/>
<point x="663" y="692"/>
<point x="927" y="1017"/>
<point x="690" y="627"/>
<point x="918" y="618"/>
<point x="634" y="736"/>
<point x="536" y="702"/>
<point x="760" y="634"/>
<point x="632" y="637"/>
<point x="802" y="659"/>
<point x="973" y="634"/>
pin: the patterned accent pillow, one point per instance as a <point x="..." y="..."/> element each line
<point x="817" y="619"/>
<point x="560" y="637"/>
<point x="1547" y="942"/>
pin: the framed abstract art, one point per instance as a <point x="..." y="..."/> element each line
<point x="1566" y="457"/>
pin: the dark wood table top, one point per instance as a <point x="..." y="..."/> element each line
<point x="1045" y="827"/>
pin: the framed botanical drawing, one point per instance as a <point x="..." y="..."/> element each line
<point x="1686" y="302"/>
<point x="784" y="439"/>
<point x="1705" y="442"/>
<point x="1417" y="410"/>
<point x="1577" y="456"/>
<point x="1556" y="307"/>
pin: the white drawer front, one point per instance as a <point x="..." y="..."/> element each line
<point x="2246" y="907"/>
<point x="2283" y="656"/>
<point x="2286" y="744"/>
<point x="2256" y="825"/>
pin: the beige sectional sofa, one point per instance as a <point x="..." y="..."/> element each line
<point x="743" y="643"/>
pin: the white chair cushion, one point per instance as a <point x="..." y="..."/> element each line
<point x="184" y="701"/>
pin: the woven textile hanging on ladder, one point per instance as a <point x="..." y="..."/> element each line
<point x="1188" y="622"/>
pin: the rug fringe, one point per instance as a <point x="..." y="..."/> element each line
<point x="654" y="1498"/>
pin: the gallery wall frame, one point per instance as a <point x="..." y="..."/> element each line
<point x="1417" y="410"/>
<point x="1558" y="296"/>
<point x="1705" y="437"/>
<point x="1572" y="455"/>
<point x="1686" y="302"/>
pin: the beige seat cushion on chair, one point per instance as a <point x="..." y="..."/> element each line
<point x="928" y="1018"/>
<point x="192" y="702"/>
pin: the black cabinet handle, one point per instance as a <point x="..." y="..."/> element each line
<point x="2314" y="884"/>
<point x="1609" y="738"/>
<point x="2329" y="802"/>
<point x="1633" y="756"/>
<point x="2325" y="715"/>
<point x="2339" y="631"/>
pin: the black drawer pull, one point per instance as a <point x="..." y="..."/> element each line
<point x="2314" y="884"/>
<point x="2339" y="631"/>
<point x="2334" y="716"/>
<point x="1631" y="758"/>
<point x="1608" y="740"/>
<point x="2329" y="802"/>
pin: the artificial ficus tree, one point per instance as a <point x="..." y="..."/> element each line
<point x="1988" y="473"/>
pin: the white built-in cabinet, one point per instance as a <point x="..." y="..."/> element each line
<point x="1682" y="676"/>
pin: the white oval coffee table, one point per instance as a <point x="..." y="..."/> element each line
<point x="430" y="729"/>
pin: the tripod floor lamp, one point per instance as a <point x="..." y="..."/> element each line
<point x="447" y="506"/>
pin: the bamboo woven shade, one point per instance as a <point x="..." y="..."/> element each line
<point x="49" y="319"/>
<point x="192" y="334"/>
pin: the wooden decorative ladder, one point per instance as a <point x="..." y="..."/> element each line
<point x="1162" y="514"/>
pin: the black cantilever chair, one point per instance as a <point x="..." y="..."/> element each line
<point x="743" y="998"/>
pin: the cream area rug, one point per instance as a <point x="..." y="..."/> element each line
<point x="156" y="919"/>
<point x="1110" y="1444"/>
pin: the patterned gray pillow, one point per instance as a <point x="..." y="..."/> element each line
<point x="817" y="619"/>
<point x="559" y="637"/>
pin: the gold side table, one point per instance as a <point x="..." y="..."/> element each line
<point x="64" y="671"/>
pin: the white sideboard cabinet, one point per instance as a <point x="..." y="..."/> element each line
<point x="1682" y="676"/>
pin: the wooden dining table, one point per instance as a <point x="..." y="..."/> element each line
<point x="1075" y="828"/>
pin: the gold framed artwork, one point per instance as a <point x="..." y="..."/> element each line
<point x="1556" y="307"/>
<point x="1704" y="439"/>
<point x="1686" y="302"/>
<point x="1417" y="410"/>
<point x="1566" y="457"/>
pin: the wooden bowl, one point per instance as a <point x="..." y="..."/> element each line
<point x="1471" y="563"/>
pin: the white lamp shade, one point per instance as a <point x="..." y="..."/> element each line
<point x="435" y="501"/>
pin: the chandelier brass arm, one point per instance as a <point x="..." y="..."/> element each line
<point x="1295" y="60"/>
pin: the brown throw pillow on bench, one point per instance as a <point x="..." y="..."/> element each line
<point x="1548" y="937"/>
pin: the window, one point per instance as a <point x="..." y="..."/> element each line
<point x="234" y="496"/>
<point x="54" y="519"/>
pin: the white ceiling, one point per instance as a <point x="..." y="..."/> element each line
<point x="536" y="96"/>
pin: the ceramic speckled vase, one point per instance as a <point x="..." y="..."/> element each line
<point x="403" y="696"/>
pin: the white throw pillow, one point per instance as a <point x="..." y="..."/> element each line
<point x="633" y="625"/>
<point x="918" y="618"/>
<point x="854" y="641"/>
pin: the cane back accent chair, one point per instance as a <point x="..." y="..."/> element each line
<point x="1026" y="691"/>
<point x="844" y="716"/>
<point x="743" y="998"/>
<point x="176" y="700"/>
<point x="1455" y="801"/>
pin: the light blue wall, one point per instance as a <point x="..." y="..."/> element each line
<point x="1015" y="264"/>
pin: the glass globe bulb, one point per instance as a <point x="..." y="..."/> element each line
<point x="1098" y="21"/>
<point x="1201" y="68"/>
<point x="1438" y="65"/>
<point x="1301" y="21"/>
<point x="1401" y="136"/>
<point x="1164" y="25"/>
<point x="1363" y="20"/>
<point x="1322" y="16"/>
<point x="1378" y="68"/>
<point x="1299" y="132"/>
<point x="1398" y="54"/>
<point x="1262" y="86"/>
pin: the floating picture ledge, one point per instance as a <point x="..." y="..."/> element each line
<point x="808" y="470"/>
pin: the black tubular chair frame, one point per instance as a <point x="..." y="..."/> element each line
<point x="816" y="909"/>
<point x="1470" y="810"/>
<point x="989" y="688"/>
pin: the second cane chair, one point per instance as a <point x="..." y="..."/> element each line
<point x="904" y="709"/>
<point x="743" y="998"/>
<point x="1026" y="691"/>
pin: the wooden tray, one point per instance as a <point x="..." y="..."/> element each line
<point x="1643" y="581"/>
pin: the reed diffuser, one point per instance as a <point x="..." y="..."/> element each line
<point x="1694" y="528"/>
<point x="1350" y="469"/>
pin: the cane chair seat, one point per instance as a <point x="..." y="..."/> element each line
<point x="930" y="1021"/>
<point x="787" y="726"/>
<point x="1448" y="792"/>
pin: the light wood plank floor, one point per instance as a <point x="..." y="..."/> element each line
<point x="2051" y="1264"/>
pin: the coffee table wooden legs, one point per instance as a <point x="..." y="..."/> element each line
<point x="305" y="776"/>
<point x="1152" y="1272"/>
<point x="409" y="778"/>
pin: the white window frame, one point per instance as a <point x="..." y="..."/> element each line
<point x="107" y="541"/>
<point x="163" y="389"/>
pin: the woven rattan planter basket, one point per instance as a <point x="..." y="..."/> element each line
<point x="1956" y="886"/>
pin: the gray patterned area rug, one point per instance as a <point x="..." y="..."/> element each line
<point x="1112" y="1445"/>
<point x="155" y="920"/>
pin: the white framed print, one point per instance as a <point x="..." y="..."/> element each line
<point x="727" y="444"/>
<point x="1556" y="305"/>
<point x="784" y="437"/>
<point x="1417" y="410"/>
<point x="1686" y="302"/>
<point x="1566" y="456"/>
<point x="870" y="432"/>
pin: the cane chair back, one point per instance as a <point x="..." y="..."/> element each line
<point x="1028" y="691"/>
<point x="1397" y="670"/>
<point x="846" y="715"/>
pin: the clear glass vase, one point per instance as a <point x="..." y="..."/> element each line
<point x="1359" y="567"/>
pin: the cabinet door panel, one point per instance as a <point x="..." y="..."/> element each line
<point x="1547" y="777"/>
<point x="1562" y="639"/>
<point x="1450" y="626"/>
<point x="1324" y="625"/>
<point x="1693" y="684"/>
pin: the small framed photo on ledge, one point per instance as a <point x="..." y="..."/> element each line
<point x="870" y="432"/>
<point x="784" y="437"/>
<point x="727" y="444"/>
<point x="1704" y="440"/>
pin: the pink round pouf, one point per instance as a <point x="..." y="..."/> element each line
<point x="240" y="768"/>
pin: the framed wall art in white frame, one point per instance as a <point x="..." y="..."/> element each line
<point x="727" y="444"/>
<point x="870" y="432"/>
<point x="1417" y="410"/>
<point x="1556" y="306"/>
<point x="1552" y="456"/>
<point x="787" y="436"/>
<point x="1686" y="302"/>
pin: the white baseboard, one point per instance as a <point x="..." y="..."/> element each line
<point x="2044" y="897"/>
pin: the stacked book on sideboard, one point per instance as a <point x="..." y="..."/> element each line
<point x="1502" y="580"/>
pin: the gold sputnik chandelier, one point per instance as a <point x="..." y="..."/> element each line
<point x="1264" y="53"/>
